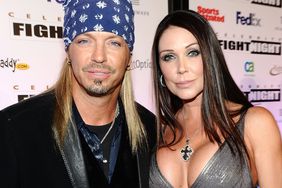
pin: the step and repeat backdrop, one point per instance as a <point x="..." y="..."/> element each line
<point x="250" y="34"/>
<point x="32" y="50"/>
<point x="249" y="31"/>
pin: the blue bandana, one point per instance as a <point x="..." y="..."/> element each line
<point x="114" y="16"/>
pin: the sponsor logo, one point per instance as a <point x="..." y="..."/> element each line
<point x="254" y="46"/>
<point x="141" y="12"/>
<point x="138" y="64"/>
<point x="235" y="45"/>
<point x="210" y="14"/>
<point x="249" y="20"/>
<point x="266" y="47"/>
<point x="13" y="64"/>
<point x="29" y="87"/>
<point x="29" y="16"/>
<point x="27" y="91"/>
<point x="272" y="3"/>
<point x="263" y="95"/>
<point x="276" y="70"/>
<point x="32" y="28"/>
<point x="249" y="66"/>
<point x="23" y="97"/>
<point x="135" y="2"/>
<point x="138" y="12"/>
<point x="22" y="66"/>
<point x="37" y="30"/>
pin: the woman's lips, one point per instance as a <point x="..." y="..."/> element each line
<point x="184" y="84"/>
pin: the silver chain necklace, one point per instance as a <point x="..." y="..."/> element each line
<point x="112" y="124"/>
<point x="187" y="151"/>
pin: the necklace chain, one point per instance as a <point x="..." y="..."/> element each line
<point x="187" y="151"/>
<point x="112" y="124"/>
<point x="194" y="134"/>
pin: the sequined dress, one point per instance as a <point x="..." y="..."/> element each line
<point x="221" y="171"/>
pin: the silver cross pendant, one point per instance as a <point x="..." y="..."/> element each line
<point x="186" y="151"/>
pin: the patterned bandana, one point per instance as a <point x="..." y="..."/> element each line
<point x="114" y="16"/>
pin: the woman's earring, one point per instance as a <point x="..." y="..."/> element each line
<point x="68" y="60"/>
<point x="161" y="81"/>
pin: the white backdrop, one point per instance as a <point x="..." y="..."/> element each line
<point x="250" y="33"/>
<point x="29" y="62"/>
<point x="32" y="51"/>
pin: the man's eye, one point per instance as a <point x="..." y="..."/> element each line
<point x="115" y="43"/>
<point x="83" y="42"/>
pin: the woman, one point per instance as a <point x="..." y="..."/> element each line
<point x="210" y="135"/>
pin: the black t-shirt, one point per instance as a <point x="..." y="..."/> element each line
<point x="100" y="132"/>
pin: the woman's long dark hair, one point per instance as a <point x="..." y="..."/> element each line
<point x="219" y="86"/>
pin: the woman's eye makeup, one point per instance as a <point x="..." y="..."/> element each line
<point x="167" y="57"/>
<point x="193" y="52"/>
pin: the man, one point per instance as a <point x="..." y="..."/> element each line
<point x="86" y="131"/>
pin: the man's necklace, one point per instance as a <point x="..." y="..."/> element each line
<point x="112" y="124"/>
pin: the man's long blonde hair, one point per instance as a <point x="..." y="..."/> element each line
<point x="63" y="108"/>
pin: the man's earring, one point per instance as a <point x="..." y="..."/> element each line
<point x="161" y="81"/>
<point x="128" y="67"/>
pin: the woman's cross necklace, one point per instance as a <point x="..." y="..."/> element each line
<point x="187" y="151"/>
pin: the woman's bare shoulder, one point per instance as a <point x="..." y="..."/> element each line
<point x="260" y="123"/>
<point x="259" y="116"/>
